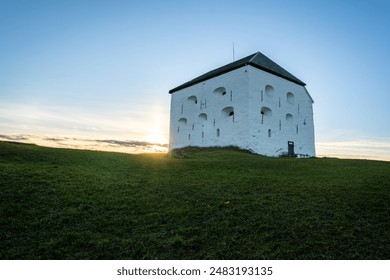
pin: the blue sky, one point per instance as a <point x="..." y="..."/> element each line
<point x="102" y="69"/>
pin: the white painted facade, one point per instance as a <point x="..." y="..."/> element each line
<point x="245" y="107"/>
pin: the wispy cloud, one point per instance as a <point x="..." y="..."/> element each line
<point x="14" y="137"/>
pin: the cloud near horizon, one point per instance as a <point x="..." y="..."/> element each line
<point x="126" y="146"/>
<point x="112" y="123"/>
<point x="373" y="149"/>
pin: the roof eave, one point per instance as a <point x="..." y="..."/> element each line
<point x="190" y="83"/>
<point x="296" y="81"/>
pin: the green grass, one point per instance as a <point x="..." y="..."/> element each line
<point x="202" y="204"/>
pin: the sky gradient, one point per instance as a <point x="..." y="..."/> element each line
<point x="101" y="70"/>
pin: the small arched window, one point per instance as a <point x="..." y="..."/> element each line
<point x="269" y="91"/>
<point x="228" y="112"/>
<point x="220" y="91"/>
<point x="290" y="98"/>
<point x="193" y="99"/>
<point x="202" y="117"/>
<point x="183" y="121"/>
<point x="289" y="118"/>
<point x="269" y="132"/>
<point x="266" y="113"/>
<point x="218" y="132"/>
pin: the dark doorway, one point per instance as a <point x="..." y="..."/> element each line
<point x="290" y="148"/>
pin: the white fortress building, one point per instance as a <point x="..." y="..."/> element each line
<point x="251" y="103"/>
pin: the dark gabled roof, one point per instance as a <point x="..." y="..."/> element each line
<point x="257" y="60"/>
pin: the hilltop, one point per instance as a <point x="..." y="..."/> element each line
<point x="203" y="204"/>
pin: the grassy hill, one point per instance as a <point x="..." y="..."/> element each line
<point x="204" y="204"/>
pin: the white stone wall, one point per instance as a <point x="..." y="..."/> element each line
<point x="291" y="119"/>
<point x="201" y="114"/>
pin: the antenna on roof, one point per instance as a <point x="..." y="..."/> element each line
<point x="233" y="51"/>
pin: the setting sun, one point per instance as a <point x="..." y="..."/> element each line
<point x="158" y="130"/>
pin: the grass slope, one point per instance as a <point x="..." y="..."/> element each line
<point x="211" y="204"/>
